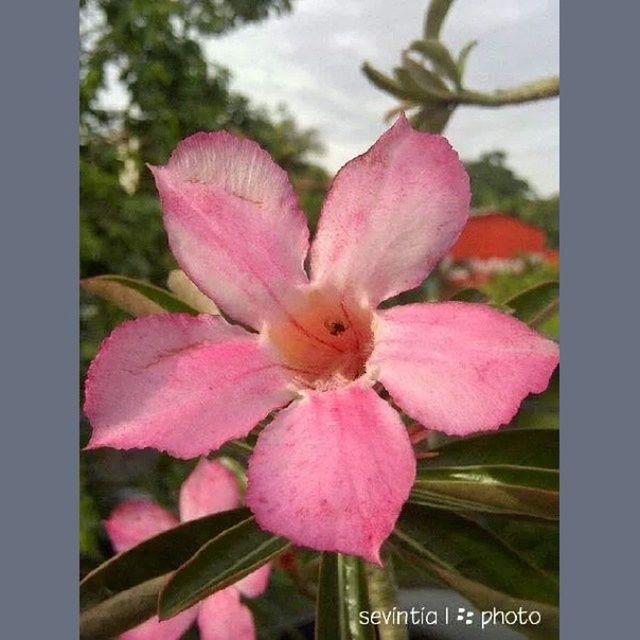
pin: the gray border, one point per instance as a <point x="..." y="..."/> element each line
<point x="39" y="355"/>
<point x="600" y="435"/>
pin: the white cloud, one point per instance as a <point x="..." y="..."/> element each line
<point x="310" y="61"/>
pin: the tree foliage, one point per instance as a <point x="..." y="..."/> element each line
<point x="151" y="52"/>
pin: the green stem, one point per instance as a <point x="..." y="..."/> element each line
<point x="530" y="92"/>
<point x="383" y="596"/>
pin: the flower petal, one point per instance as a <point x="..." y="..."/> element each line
<point x="171" y="629"/>
<point x="135" y="521"/>
<point x="391" y="215"/>
<point x="234" y="224"/>
<point x="222" y="616"/>
<point x="332" y="472"/>
<point x="182" y="384"/>
<point x="255" y="584"/>
<point x="457" y="367"/>
<point x="210" y="488"/>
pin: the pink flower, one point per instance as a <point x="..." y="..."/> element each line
<point x="334" y="468"/>
<point x="210" y="488"/>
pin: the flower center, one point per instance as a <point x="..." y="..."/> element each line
<point x="325" y="341"/>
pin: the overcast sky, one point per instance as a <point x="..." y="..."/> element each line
<point x="310" y="62"/>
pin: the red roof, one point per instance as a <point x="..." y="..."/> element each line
<point x="497" y="235"/>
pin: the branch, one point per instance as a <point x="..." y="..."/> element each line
<point x="530" y="92"/>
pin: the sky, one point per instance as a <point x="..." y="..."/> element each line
<point x="310" y="61"/>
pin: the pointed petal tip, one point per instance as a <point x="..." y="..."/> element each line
<point x="353" y="512"/>
<point x="373" y="556"/>
<point x="402" y="121"/>
<point x="91" y="445"/>
<point x="391" y="214"/>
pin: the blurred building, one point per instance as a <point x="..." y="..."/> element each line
<point x="493" y="243"/>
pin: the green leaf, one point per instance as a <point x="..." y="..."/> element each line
<point x="439" y="55"/>
<point x="537" y="540"/>
<point x="436" y="14"/>
<point x="342" y="595"/>
<point x="123" y="592"/>
<point x="536" y="304"/>
<point x="464" y="56"/>
<point x="474" y="561"/>
<point x="383" y="598"/>
<point x="420" y="94"/>
<point x="136" y="297"/>
<point x="125" y="610"/>
<point x="470" y="295"/>
<point x="155" y="557"/>
<point x="385" y="83"/>
<point x="224" y="560"/>
<point x="426" y="81"/>
<point x="511" y="471"/>
<point x="433" y="119"/>
<point x="408" y="85"/>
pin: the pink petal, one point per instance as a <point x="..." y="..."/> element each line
<point x="210" y="488"/>
<point x="332" y="471"/>
<point x="458" y="367"/>
<point x="222" y="616"/>
<point x="255" y="584"/>
<point x="135" y="521"/>
<point x="234" y="224"/>
<point x="391" y="215"/>
<point x="181" y="384"/>
<point x="170" y="629"/>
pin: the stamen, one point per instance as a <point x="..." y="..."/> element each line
<point x="337" y="357"/>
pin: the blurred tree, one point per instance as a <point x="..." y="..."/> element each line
<point x="494" y="184"/>
<point x="150" y="50"/>
<point x="545" y="213"/>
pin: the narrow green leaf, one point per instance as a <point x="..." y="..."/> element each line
<point x="536" y="540"/>
<point x="419" y="94"/>
<point x="383" y="597"/>
<point x="125" y="610"/>
<point x="426" y="81"/>
<point x="511" y="471"/>
<point x="433" y="118"/>
<point x="155" y="557"/>
<point x="470" y="295"/>
<point x="385" y="83"/>
<point x="342" y="595"/>
<point x="436" y="14"/>
<point x="471" y="559"/>
<point x="136" y="297"/>
<point x="464" y="56"/>
<point x="536" y="304"/>
<point x="224" y="560"/>
<point x="439" y="55"/>
<point x="527" y="448"/>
